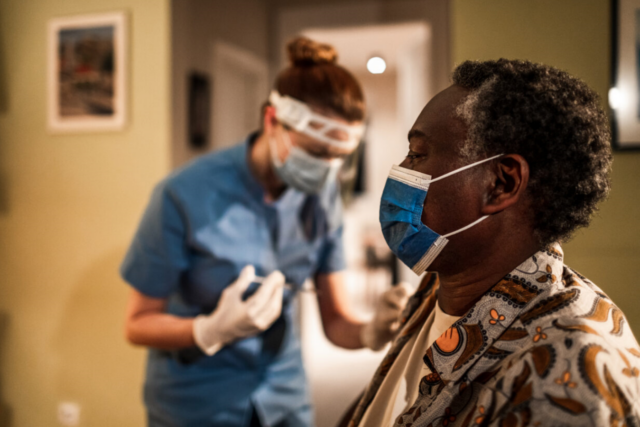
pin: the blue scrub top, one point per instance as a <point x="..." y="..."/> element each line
<point x="204" y="223"/>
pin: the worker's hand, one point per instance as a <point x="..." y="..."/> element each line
<point x="385" y="323"/>
<point x="234" y="318"/>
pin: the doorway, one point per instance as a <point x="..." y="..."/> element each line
<point x="394" y="99"/>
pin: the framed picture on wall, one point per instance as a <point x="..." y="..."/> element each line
<point x="624" y="94"/>
<point x="86" y="73"/>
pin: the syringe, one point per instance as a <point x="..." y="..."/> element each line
<point x="260" y="279"/>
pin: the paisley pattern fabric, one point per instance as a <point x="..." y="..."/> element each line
<point x="543" y="347"/>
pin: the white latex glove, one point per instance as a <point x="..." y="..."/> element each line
<point x="233" y="318"/>
<point x="385" y="323"/>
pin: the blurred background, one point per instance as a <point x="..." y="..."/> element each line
<point x="70" y="202"/>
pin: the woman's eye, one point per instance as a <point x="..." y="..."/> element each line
<point x="412" y="156"/>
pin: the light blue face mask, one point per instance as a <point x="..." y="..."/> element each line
<point x="401" y="207"/>
<point x="303" y="171"/>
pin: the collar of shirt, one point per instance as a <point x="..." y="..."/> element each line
<point x="455" y="352"/>
<point x="242" y="163"/>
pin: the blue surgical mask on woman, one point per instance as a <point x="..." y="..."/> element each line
<point x="301" y="170"/>
<point x="401" y="207"/>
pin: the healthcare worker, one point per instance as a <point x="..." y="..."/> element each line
<point x="226" y="243"/>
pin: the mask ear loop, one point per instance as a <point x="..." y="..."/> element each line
<point x="437" y="247"/>
<point x="465" y="167"/>
<point x="274" y="152"/>
<point x="274" y="149"/>
<point x="287" y="139"/>
<point x="479" y="220"/>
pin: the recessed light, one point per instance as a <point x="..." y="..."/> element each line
<point x="376" y="65"/>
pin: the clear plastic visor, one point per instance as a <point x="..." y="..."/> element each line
<point x="299" y="117"/>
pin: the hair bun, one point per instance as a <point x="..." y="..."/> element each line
<point x="306" y="52"/>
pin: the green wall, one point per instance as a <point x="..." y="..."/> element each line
<point x="573" y="35"/>
<point x="69" y="205"/>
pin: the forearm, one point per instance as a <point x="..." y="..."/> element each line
<point x="344" y="332"/>
<point x="340" y="326"/>
<point x="160" y="330"/>
<point x="147" y="323"/>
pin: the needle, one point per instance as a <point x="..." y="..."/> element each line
<point x="259" y="279"/>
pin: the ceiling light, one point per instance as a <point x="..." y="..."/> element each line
<point x="376" y="65"/>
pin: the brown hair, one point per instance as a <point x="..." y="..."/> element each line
<point x="314" y="78"/>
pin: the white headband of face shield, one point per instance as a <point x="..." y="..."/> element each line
<point x="300" y="117"/>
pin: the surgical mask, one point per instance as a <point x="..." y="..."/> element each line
<point x="415" y="244"/>
<point x="301" y="170"/>
<point x="299" y="117"/>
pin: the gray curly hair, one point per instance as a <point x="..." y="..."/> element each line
<point x="551" y="119"/>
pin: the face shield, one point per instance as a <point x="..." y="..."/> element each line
<point x="302" y="169"/>
<point x="298" y="116"/>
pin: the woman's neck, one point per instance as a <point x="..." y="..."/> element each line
<point x="261" y="167"/>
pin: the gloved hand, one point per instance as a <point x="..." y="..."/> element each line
<point x="385" y="323"/>
<point x="234" y="318"/>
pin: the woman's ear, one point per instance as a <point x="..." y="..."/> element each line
<point x="510" y="179"/>
<point x="269" y="120"/>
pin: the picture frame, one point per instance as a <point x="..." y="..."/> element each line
<point x="624" y="93"/>
<point x="86" y="79"/>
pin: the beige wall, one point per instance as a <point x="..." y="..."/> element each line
<point x="68" y="207"/>
<point x="572" y="35"/>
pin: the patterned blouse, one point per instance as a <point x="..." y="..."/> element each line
<point x="543" y="347"/>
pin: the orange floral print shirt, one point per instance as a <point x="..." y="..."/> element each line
<point x="544" y="347"/>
